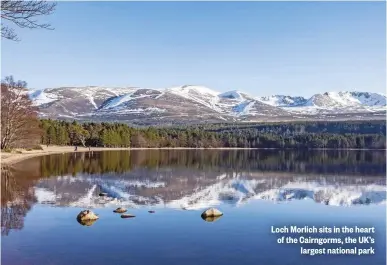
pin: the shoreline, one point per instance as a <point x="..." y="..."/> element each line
<point x="8" y="159"/>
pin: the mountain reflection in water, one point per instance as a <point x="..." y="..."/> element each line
<point x="190" y="179"/>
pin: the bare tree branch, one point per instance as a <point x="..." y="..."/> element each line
<point x="24" y="14"/>
<point x="19" y="123"/>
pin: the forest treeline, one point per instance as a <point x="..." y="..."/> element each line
<point x="299" y="127"/>
<point x="370" y="135"/>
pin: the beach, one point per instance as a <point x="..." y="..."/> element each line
<point x="15" y="157"/>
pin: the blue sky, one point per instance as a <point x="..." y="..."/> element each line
<point x="262" y="48"/>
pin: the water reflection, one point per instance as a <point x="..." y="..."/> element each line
<point x="319" y="162"/>
<point x="211" y="218"/>
<point x="86" y="222"/>
<point x="17" y="197"/>
<point x="192" y="179"/>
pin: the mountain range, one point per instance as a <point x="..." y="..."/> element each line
<point x="198" y="104"/>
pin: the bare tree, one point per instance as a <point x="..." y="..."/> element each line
<point x="23" y="14"/>
<point x="19" y="123"/>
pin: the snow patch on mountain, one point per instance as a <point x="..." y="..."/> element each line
<point x="282" y="101"/>
<point x="40" y="97"/>
<point x="200" y="94"/>
<point x="117" y="101"/>
<point x="189" y="89"/>
<point x="90" y="96"/>
<point x="244" y="108"/>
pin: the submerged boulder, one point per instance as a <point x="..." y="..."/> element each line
<point x="127" y="215"/>
<point x="151" y="211"/>
<point x="87" y="215"/>
<point x="120" y="210"/>
<point x="212" y="212"/>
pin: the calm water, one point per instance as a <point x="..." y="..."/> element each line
<point x="41" y="197"/>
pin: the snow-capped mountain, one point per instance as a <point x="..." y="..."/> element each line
<point x="182" y="104"/>
<point x="331" y="102"/>
<point x="329" y="99"/>
<point x="196" y="104"/>
<point x="348" y="98"/>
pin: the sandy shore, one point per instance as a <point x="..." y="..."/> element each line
<point x="14" y="157"/>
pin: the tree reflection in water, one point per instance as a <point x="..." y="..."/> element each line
<point x="17" y="198"/>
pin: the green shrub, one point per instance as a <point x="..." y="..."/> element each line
<point x="7" y="150"/>
<point x="29" y="149"/>
<point x="37" y="147"/>
<point x="19" y="152"/>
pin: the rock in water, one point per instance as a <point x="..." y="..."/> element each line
<point x="151" y="211"/>
<point x="127" y="215"/>
<point x="212" y="212"/>
<point x="120" y="210"/>
<point x="103" y="194"/>
<point x="87" y="215"/>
